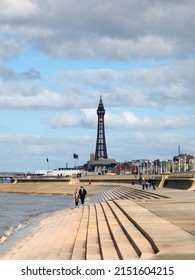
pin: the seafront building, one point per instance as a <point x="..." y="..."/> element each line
<point x="180" y="163"/>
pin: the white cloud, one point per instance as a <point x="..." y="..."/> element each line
<point x="29" y="152"/>
<point x="112" y="48"/>
<point x="65" y="120"/>
<point x="17" y="9"/>
<point x="127" y="120"/>
<point x="111" y="30"/>
<point x="159" y="86"/>
<point x="86" y="118"/>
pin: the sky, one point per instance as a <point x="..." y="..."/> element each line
<point x="58" y="57"/>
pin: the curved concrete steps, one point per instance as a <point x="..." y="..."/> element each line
<point x="125" y="247"/>
<point x="92" y="232"/>
<point x="79" y="248"/>
<point x="105" y="232"/>
<point x="145" y="247"/>
<point x="93" y="251"/>
<point x="109" y="230"/>
<point x="123" y="192"/>
<point x="172" y="241"/>
<point x="107" y="246"/>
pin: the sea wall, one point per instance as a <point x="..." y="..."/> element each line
<point x="183" y="181"/>
<point x="128" y="179"/>
<point x="39" y="179"/>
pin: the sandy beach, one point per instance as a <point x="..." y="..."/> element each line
<point x="53" y="187"/>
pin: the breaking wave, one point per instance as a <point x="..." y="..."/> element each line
<point x="12" y="230"/>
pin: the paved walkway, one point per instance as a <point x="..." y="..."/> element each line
<point x="122" y="222"/>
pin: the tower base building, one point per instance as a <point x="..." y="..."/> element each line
<point x="101" y="165"/>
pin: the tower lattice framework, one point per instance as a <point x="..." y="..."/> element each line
<point x="101" y="151"/>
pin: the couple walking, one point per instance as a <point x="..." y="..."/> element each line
<point x="79" y="194"/>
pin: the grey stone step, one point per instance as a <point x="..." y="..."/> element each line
<point x="141" y="245"/>
<point x="93" y="246"/>
<point x="107" y="247"/>
<point x="79" y="248"/>
<point x="123" y="247"/>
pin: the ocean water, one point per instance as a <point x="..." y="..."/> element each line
<point x="20" y="210"/>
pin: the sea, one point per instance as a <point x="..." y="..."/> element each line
<point x="18" y="211"/>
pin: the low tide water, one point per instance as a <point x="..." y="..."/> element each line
<point x="19" y="210"/>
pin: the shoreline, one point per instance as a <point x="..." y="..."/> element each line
<point x="26" y="230"/>
<point x="17" y="230"/>
<point x="20" y="234"/>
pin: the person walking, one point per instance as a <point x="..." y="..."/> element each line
<point x="82" y="194"/>
<point x="76" y="198"/>
<point x="143" y="183"/>
<point x="153" y="183"/>
<point x="147" y="184"/>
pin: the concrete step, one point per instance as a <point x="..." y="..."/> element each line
<point x="155" y="229"/>
<point x="123" y="192"/>
<point x="112" y="193"/>
<point x="93" y="247"/>
<point x="123" y="247"/>
<point x="139" y="242"/>
<point x="53" y="236"/>
<point x="107" y="247"/>
<point x="150" y="192"/>
<point x="70" y="233"/>
<point x="79" y="248"/>
<point x="97" y="198"/>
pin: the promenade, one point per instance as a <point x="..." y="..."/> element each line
<point x="118" y="221"/>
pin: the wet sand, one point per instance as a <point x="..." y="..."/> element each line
<point x="54" y="188"/>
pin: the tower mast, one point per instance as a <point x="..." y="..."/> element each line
<point x="101" y="151"/>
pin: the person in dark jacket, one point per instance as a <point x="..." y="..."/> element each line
<point x="82" y="194"/>
<point x="153" y="183"/>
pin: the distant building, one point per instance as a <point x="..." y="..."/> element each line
<point x="125" y="168"/>
<point x="100" y="151"/>
<point x="99" y="162"/>
<point x="59" y="172"/>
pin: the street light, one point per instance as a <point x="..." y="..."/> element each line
<point x="75" y="156"/>
<point x="47" y="163"/>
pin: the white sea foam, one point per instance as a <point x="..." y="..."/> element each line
<point x="12" y="230"/>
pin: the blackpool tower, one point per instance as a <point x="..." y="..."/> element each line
<point x="100" y="151"/>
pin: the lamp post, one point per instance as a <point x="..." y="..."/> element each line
<point x="75" y="156"/>
<point x="47" y="163"/>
